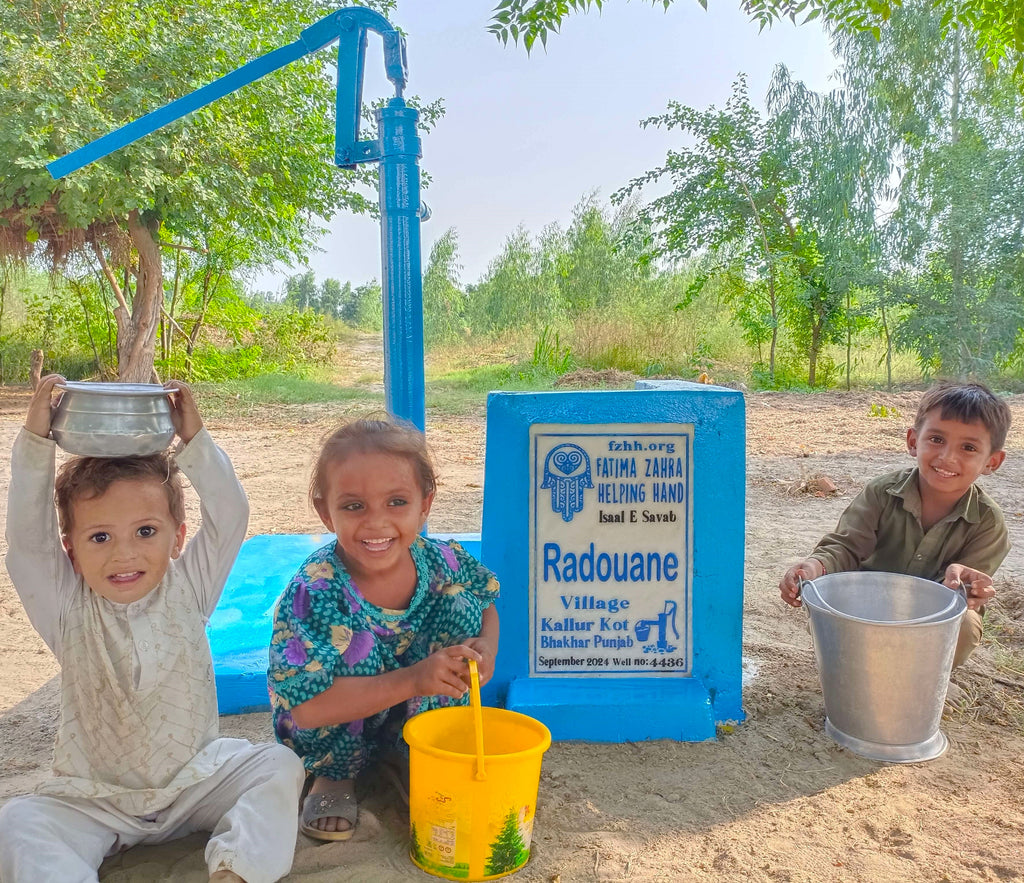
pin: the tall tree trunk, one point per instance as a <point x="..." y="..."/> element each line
<point x="4" y="289"/>
<point x="76" y="286"/>
<point x="956" y="248"/>
<point x="812" y="371"/>
<point x="210" y="283"/>
<point x="35" y="368"/>
<point x="136" y="334"/>
<point x="168" y="340"/>
<point x="769" y="259"/>
<point x="887" y="335"/>
<point x="849" y="339"/>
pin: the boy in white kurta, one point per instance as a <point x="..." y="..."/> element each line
<point x="124" y="607"/>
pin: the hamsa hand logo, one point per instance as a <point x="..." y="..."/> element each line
<point x="567" y="474"/>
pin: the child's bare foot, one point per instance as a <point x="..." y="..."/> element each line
<point x="223" y="876"/>
<point x="329" y="811"/>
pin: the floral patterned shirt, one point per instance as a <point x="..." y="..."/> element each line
<point x="324" y="628"/>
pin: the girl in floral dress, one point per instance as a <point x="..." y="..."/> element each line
<point x="375" y="626"/>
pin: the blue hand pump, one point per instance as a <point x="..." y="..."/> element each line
<point x="396" y="149"/>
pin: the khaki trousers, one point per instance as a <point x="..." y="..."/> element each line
<point x="969" y="638"/>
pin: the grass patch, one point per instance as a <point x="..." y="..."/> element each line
<point x="465" y="391"/>
<point x="470" y="380"/>
<point x="473" y="353"/>
<point x="460" y="377"/>
<point x="455" y="403"/>
<point x="455" y="389"/>
<point x="521" y="377"/>
<point x="700" y="338"/>
<point x="867" y="365"/>
<point x="237" y="398"/>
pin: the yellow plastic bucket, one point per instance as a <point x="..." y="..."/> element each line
<point x="471" y="805"/>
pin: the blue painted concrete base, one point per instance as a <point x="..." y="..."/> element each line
<point x="616" y="709"/>
<point x="240" y="628"/>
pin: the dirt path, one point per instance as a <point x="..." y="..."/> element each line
<point x="771" y="800"/>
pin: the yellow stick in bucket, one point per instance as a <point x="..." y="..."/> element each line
<point x="478" y="719"/>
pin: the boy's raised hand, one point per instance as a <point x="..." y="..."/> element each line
<point x="184" y="412"/>
<point x="976" y="583"/>
<point x="789" y="586"/>
<point x="41" y="406"/>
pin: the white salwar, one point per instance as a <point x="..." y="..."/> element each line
<point x="137" y="757"/>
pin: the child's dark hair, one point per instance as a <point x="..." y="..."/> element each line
<point x="968" y="402"/>
<point x="391" y="436"/>
<point x="84" y="478"/>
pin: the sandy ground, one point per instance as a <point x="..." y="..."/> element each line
<point x="771" y="800"/>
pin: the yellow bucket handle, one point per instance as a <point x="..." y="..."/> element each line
<point x="478" y="719"/>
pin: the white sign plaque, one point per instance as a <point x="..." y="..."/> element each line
<point x="611" y="529"/>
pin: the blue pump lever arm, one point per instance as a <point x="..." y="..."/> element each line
<point x="160" y="117"/>
<point x="316" y="36"/>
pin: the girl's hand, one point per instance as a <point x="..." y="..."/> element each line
<point x="488" y="655"/>
<point x="184" y="413"/>
<point x="444" y="672"/>
<point x="41" y="406"/>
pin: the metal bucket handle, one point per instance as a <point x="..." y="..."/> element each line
<point x="931" y="617"/>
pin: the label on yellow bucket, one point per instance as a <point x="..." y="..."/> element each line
<point x="438" y="846"/>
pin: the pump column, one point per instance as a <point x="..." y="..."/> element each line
<point x="402" y="282"/>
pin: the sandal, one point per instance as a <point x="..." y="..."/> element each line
<point x="337" y="803"/>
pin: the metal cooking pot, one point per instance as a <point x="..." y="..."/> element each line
<point x="112" y="419"/>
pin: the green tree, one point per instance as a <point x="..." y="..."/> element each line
<point x="300" y="291"/>
<point x="955" y="125"/>
<point x="509" y="851"/>
<point x="999" y="23"/>
<point x="519" y="287"/>
<point x="843" y="163"/>
<point x="731" y="192"/>
<point x="368" y="306"/>
<point x="208" y="287"/>
<point x="257" y="163"/>
<point x="595" y="266"/>
<point x="66" y="318"/>
<point x="331" y="298"/>
<point x="444" y="302"/>
<point x="203" y="274"/>
<point x="347" y="304"/>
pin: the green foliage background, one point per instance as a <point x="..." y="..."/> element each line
<point x="869" y="236"/>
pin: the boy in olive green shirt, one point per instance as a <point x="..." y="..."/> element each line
<point x="931" y="520"/>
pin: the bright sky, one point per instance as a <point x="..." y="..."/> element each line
<point x="525" y="138"/>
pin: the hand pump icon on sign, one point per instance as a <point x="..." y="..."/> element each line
<point x="666" y="620"/>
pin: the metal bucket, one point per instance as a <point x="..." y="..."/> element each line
<point x="884" y="644"/>
<point x="112" y="419"/>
